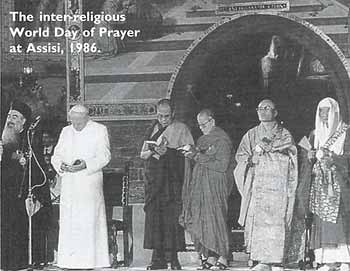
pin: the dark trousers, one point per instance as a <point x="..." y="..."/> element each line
<point x="162" y="257"/>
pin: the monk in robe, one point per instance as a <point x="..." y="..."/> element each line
<point x="266" y="176"/>
<point x="205" y="198"/>
<point x="14" y="193"/>
<point x="327" y="180"/>
<point x="79" y="156"/>
<point x="164" y="169"/>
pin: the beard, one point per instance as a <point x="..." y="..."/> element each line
<point x="10" y="136"/>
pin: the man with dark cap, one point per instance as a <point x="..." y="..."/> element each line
<point x="14" y="192"/>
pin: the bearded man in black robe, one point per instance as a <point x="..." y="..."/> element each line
<point x="14" y="192"/>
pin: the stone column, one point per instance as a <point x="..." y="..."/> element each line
<point x="7" y="40"/>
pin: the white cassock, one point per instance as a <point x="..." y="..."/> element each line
<point x="83" y="240"/>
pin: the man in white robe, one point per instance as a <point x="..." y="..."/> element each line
<point x="80" y="154"/>
<point x="327" y="178"/>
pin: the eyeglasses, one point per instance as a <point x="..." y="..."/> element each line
<point x="264" y="108"/>
<point x="202" y="125"/>
<point x="160" y="116"/>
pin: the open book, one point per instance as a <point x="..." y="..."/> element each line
<point x="160" y="141"/>
<point x="154" y="143"/>
<point x="185" y="148"/>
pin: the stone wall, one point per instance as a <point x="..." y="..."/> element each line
<point x="126" y="139"/>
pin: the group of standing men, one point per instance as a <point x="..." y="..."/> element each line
<point x="187" y="187"/>
<point x="274" y="181"/>
<point x="79" y="156"/>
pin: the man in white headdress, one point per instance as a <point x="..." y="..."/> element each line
<point x="329" y="198"/>
<point x="79" y="156"/>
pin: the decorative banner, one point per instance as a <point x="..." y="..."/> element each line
<point x="232" y="7"/>
<point x="122" y="111"/>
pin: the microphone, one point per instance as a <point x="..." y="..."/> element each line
<point x="35" y="123"/>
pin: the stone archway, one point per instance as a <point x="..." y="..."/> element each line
<point x="200" y="54"/>
<point x="191" y="76"/>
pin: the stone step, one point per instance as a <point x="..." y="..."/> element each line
<point x="158" y="45"/>
<point x="112" y="88"/>
<point x="336" y="20"/>
<point x="155" y="60"/>
<point x="110" y="92"/>
<point x="161" y="62"/>
<point x="131" y="77"/>
<point x="169" y="42"/>
<point x="334" y="29"/>
<point x="155" y="65"/>
<point x="337" y="33"/>
<point x="345" y="2"/>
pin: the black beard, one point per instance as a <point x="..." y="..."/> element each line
<point x="10" y="136"/>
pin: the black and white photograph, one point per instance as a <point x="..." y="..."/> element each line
<point x="175" y="135"/>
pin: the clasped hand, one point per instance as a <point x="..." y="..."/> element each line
<point x="265" y="145"/>
<point x="77" y="166"/>
<point x="161" y="150"/>
<point x="189" y="151"/>
<point x="254" y="158"/>
<point x="323" y="154"/>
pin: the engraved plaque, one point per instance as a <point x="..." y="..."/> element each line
<point x="238" y="6"/>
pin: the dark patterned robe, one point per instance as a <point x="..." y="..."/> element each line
<point x="14" y="218"/>
<point x="327" y="234"/>
<point x="163" y="188"/>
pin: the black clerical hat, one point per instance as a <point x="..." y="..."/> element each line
<point x="23" y="108"/>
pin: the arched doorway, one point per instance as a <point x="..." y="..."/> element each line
<point x="223" y="70"/>
<point x="224" y="64"/>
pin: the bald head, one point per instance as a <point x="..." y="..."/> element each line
<point x="206" y="113"/>
<point x="206" y="121"/>
<point x="79" y="116"/>
<point x="165" y="112"/>
<point x="267" y="111"/>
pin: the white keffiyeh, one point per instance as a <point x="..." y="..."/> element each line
<point x="324" y="131"/>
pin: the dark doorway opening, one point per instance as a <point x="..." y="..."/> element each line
<point x="224" y="71"/>
<point x="231" y="84"/>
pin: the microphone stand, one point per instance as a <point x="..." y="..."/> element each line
<point x="30" y="135"/>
